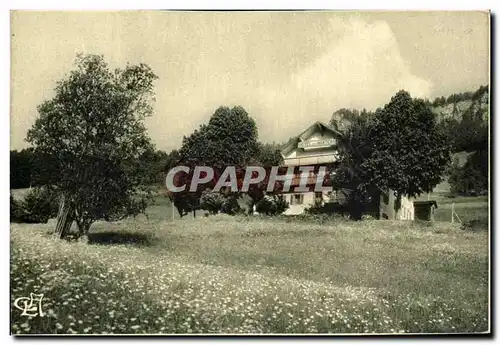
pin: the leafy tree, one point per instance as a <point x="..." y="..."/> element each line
<point x="171" y="160"/>
<point x="93" y="130"/>
<point x="22" y="168"/>
<point x="410" y="152"/>
<point x="454" y="165"/>
<point x="466" y="180"/>
<point x="471" y="133"/>
<point x="350" y="177"/>
<point x="28" y="168"/>
<point x="467" y="131"/>
<point x="473" y="176"/>
<point x="268" y="155"/>
<point x="229" y="139"/>
<point x="458" y="97"/>
<point x="185" y="202"/>
<point x="483" y="89"/>
<point x="155" y="163"/>
<point x="342" y="119"/>
<point x="480" y="159"/>
<point x="400" y="148"/>
<point x="450" y="126"/>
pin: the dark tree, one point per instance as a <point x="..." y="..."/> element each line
<point x="229" y="139"/>
<point x="350" y="177"/>
<point x="473" y="176"/>
<point x="399" y="148"/>
<point x="410" y="153"/>
<point x="93" y="131"/>
<point x="171" y="160"/>
<point x="22" y="168"/>
<point x="268" y="155"/>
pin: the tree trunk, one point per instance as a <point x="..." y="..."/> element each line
<point x="177" y="205"/>
<point x="356" y="212"/>
<point x="355" y="207"/>
<point x="64" y="218"/>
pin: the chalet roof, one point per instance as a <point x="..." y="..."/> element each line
<point x="317" y="126"/>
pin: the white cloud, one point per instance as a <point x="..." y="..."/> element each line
<point x="362" y="69"/>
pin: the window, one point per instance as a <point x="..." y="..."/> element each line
<point x="318" y="197"/>
<point x="297" y="199"/>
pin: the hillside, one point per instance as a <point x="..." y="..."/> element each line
<point x="456" y="105"/>
<point x="468" y="109"/>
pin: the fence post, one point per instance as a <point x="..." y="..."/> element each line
<point x="452" y="212"/>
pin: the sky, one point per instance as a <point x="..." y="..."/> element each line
<point x="287" y="69"/>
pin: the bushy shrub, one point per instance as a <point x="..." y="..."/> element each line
<point x="230" y="206"/>
<point x="215" y="202"/>
<point x="272" y="205"/>
<point x="316" y="208"/>
<point x="329" y="210"/>
<point x="264" y="206"/>
<point x="38" y="206"/>
<point x="211" y="201"/>
<point x="16" y="211"/>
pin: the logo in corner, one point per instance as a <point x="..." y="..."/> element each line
<point x="31" y="306"/>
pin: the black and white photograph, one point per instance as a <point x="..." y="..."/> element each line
<point x="271" y="172"/>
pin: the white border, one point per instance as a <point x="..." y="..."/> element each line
<point x="423" y="5"/>
<point x="165" y="5"/>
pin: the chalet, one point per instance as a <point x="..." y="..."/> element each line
<point x="318" y="146"/>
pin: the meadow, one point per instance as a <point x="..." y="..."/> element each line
<point x="246" y="275"/>
<point x="466" y="208"/>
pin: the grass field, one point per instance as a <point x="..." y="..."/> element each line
<point x="467" y="208"/>
<point x="252" y="275"/>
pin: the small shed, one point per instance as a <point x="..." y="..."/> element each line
<point x="424" y="210"/>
